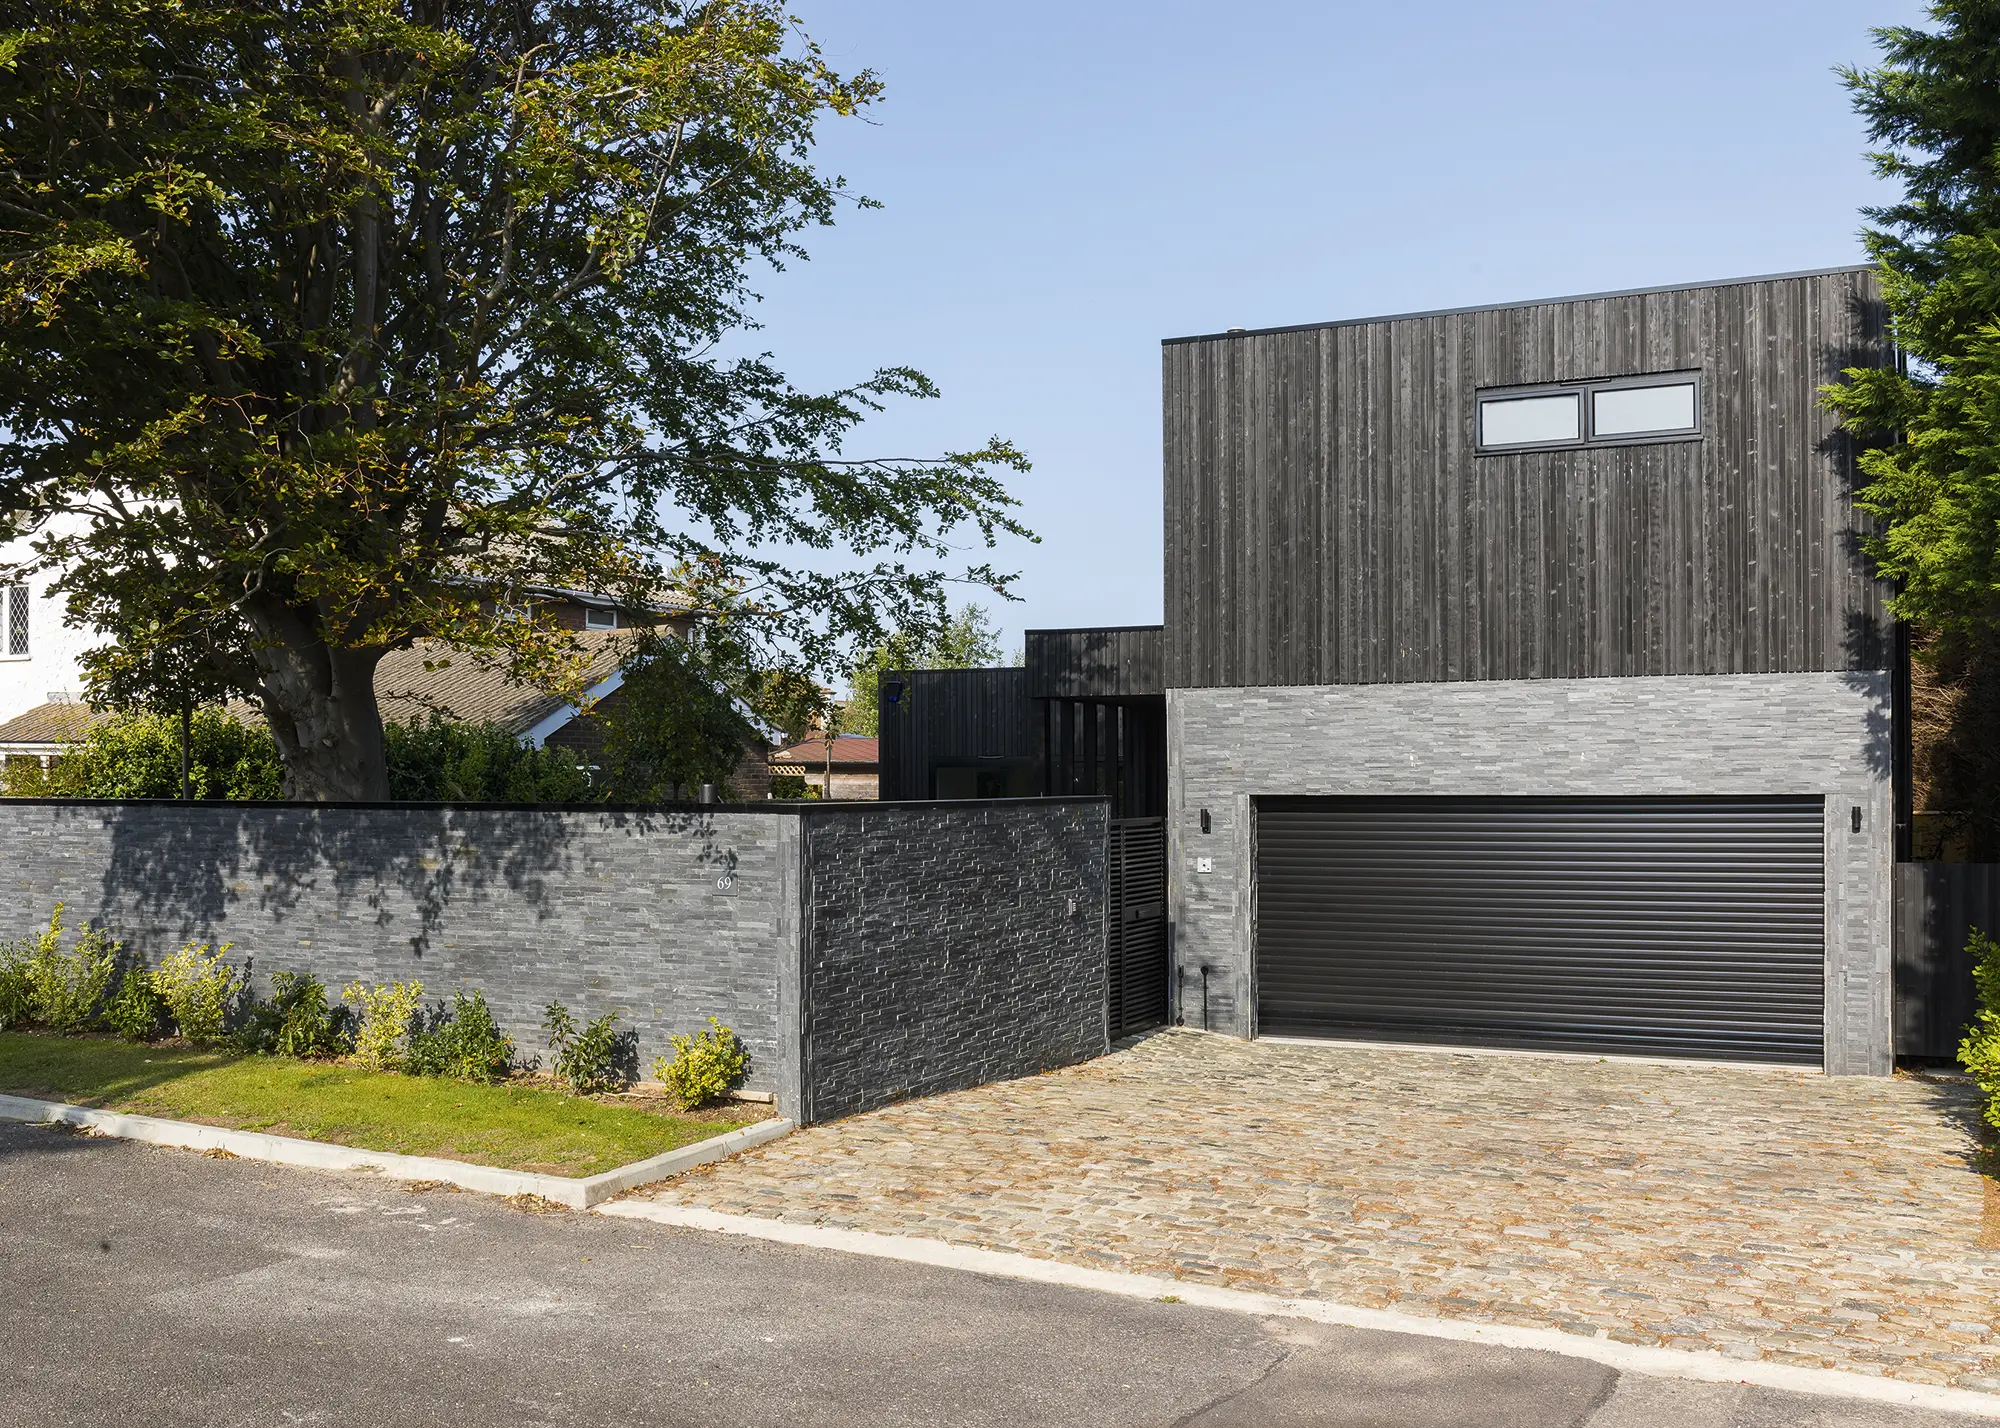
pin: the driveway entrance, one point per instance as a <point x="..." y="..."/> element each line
<point x="1765" y="1213"/>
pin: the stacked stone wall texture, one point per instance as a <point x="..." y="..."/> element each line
<point x="606" y="912"/>
<point x="947" y="946"/>
<point x="1823" y="734"/>
<point x="946" y="949"/>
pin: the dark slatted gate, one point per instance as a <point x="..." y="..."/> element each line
<point x="1670" y="926"/>
<point x="1137" y="935"/>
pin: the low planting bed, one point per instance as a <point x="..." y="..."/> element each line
<point x="513" y="1125"/>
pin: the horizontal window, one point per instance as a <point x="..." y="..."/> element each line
<point x="1642" y="411"/>
<point x="1524" y="421"/>
<point x="597" y="619"/>
<point x="1619" y="411"/>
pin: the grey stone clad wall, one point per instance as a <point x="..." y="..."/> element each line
<point x="944" y="949"/>
<point x="1824" y="734"/>
<point x="949" y="945"/>
<point x="605" y="911"/>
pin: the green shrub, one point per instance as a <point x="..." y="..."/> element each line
<point x="63" y="991"/>
<point x="705" y="1067"/>
<point x="1979" y="1053"/>
<point x="672" y="727"/>
<point x="463" y="1042"/>
<point x="386" y="1012"/>
<point x="586" y="1061"/>
<point x="16" y="987"/>
<point x="136" y="1013"/>
<point x="139" y="756"/>
<point x="296" y="1021"/>
<point x="200" y="990"/>
<point x="439" y="761"/>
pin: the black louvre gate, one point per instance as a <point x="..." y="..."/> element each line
<point x="1668" y="926"/>
<point x="1137" y="936"/>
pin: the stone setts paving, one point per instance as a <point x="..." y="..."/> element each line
<point x="1831" y="1222"/>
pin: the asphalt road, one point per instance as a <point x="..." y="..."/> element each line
<point x="146" y="1286"/>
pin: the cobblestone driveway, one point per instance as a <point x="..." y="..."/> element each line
<point x="1767" y="1214"/>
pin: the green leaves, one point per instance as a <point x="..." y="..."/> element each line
<point x="1933" y="430"/>
<point x="329" y="325"/>
<point x="138" y="756"/>
<point x="704" y="1068"/>
<point x="670" y="728"/>
<point x="966" y="640"/>
<point x="441" y="762"/>
<point x="1979" y="1052"/>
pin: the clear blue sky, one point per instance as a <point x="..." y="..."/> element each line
<point x="1066" y="184"/>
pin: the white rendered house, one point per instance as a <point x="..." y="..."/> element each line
<point x="39" y="654"/>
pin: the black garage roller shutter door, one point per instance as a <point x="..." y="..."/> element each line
<point x="1663" y="926"/>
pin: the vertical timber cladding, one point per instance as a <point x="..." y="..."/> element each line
<point x="955" y="716"/>
<point x="1666" y="926"/>
<point x="1328" y="520"/>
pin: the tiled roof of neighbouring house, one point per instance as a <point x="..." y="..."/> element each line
<point x="61" y="721"/>
<point x="468" y="692"/>
<point x="849" y="751"/>
<point x="463" y="690"/>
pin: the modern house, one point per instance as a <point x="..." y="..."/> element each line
<point x="1523" y="681"/>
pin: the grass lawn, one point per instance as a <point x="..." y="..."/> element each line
<point x="514" y="1127"/>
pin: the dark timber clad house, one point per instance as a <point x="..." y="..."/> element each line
<point x="1525" y="684"/>
<point x="1522" y="684"/>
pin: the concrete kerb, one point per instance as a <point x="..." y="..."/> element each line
<point x="577" y="1194"/>
<point x="1697" y="1365"/>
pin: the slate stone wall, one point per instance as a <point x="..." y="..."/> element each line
<point x="665" y="917"/>
<point x="949" y="945"/>
<point x="927" y="947"/>
<point x="1825" y="734"/>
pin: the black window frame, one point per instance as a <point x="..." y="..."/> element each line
<point x="1586" y="393"/>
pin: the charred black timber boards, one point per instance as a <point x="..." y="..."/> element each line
<point x="1328" y="521"/>
<point x="1107" y="663"/>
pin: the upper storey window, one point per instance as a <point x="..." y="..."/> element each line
<point x="14" y="621"/>
<point x="1540" y="419"/>
<point x="1620" y="412"/>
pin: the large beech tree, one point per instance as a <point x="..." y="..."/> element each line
<point x="326" y="325"/>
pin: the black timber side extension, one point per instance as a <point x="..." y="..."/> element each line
<point x="1113" y="662"/>
<point x="963" y="723"/>
<point x="1087" y="714"/>
<point x="1102" y="693"/>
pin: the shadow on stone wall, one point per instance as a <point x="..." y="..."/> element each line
<point x="184" y="868"/>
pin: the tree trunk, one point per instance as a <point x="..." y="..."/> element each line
<point x="320" y="703"/>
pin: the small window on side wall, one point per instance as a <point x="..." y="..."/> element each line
<point x="597" y="619"/>
<point x="1621" y="411"/>
<point x="14" y="610"/>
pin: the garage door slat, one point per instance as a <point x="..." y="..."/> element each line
<point x="1667" y="926"/>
